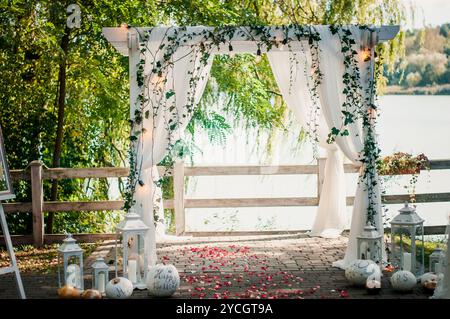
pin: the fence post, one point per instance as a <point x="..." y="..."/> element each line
<point x="320" y="175"/>
<point x="37" y="199"/>
<point x="178" y="196"/>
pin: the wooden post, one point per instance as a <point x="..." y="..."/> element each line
<point x="320" y="175"/>
<point x="178" y="197"/>
<point x="37" y="198"/>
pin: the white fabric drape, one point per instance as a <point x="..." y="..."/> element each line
<point x="169" y="109"/>
<point x="331" y="214"/>
<point x="331" y="96"/>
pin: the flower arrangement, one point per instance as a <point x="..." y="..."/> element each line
<point x="402" y="163"/>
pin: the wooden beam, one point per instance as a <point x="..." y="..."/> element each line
<point x="250" y="170"/>
<point x="17" y="207"/>
<point x="74" y="206"/>
<point x="388" y="32"/>
<point x="18" y="240"/>
<point x="82" y="206"/>
<point x="37" y="195"/>
<point x="118" y="36"/>
<point x="178" y="197"/>
<point x="440" y="164"/>
<point x="20" y="175"/>
<point x="95" y="172"/>
<point x="320" y="175"/>
<point x="81" y="238"/>
<point x="251" y="202"/>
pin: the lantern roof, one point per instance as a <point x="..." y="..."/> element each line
<point x="407" y="217"/>
<point x="369" y="232"/>
<point x="132" y="223"/>
<point x="69" y="245"/>
<point x="437" y="252"/>
<point x="99" y="263"/>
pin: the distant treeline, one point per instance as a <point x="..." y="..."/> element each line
<point x="426" y="67"/>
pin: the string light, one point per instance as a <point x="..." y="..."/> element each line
<point x="364" y="54"/>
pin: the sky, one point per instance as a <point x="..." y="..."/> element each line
<point x="432" y="12"/>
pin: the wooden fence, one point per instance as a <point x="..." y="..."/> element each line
<point x="36" y="174"/>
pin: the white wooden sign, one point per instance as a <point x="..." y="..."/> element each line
<point x="7" y="192"/>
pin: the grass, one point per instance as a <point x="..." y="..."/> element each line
<point x="39" y="260"/>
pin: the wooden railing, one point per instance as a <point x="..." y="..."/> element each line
<point x="36" y="174"/>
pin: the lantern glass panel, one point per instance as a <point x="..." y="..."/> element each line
<point x="133" y="258"/>
<point x="70" y="264"/>
<point x="435" y="260"/>
<point x="100" y="275"/>
<point x="408" y="248"/>
<point x="131" y="235"/>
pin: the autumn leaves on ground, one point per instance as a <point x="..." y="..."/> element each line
<point x="38" y="260"/>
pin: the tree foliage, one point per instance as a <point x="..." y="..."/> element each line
<point x="427" y="61"/>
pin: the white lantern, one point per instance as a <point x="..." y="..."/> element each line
<point x="100" y="275"/>
<point x="369" y="245"/>
<point x="435" y="260"/>
<point x="131" y="233"/>
<point x="70" y="255"/>
<point x="406" y="230"/>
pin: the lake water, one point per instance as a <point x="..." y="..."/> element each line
<point x="413" y="124"/>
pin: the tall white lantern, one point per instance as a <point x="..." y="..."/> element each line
<point x="70" y="259"/>
<point x="100" y="275"/>
<point x="369" y="245"/>
<point x="406" y="231"/>
<point x="131" y="233"/>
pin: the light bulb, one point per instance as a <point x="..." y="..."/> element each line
<point x="258" y="58"/>
<point x="364" y="55"/>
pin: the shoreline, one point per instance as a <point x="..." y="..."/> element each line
<point x="424" y="90"/>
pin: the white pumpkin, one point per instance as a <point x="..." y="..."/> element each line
<point x="429" y="280"/>
<point x="403" y="280"/>
<point x="119" y="288"/>
<point x="360" y="270"/>
<point x="162" y="280"/>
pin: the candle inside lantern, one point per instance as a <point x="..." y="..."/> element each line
<point x="132" y="268"/>
<point x="73" y="275"/>
<point x="101" y="282"/>
<point x="437" y="268"/>
<point x="407" y="261"/>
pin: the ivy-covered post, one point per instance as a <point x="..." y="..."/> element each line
<point x="371" y="149"/>
<point x="135" y="91"/>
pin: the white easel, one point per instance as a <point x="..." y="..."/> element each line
<point x="8" y="193"/>
<point x="12" y="257"/>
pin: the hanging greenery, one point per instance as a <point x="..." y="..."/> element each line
<point x="359" y="105"/>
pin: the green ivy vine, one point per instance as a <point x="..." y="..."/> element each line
<point x="359" y="106"/>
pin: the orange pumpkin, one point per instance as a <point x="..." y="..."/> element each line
<point x="68" y="292"/>
<point x="91" y="294"/>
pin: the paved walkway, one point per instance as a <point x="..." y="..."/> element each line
<point x="277" y="266"/>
